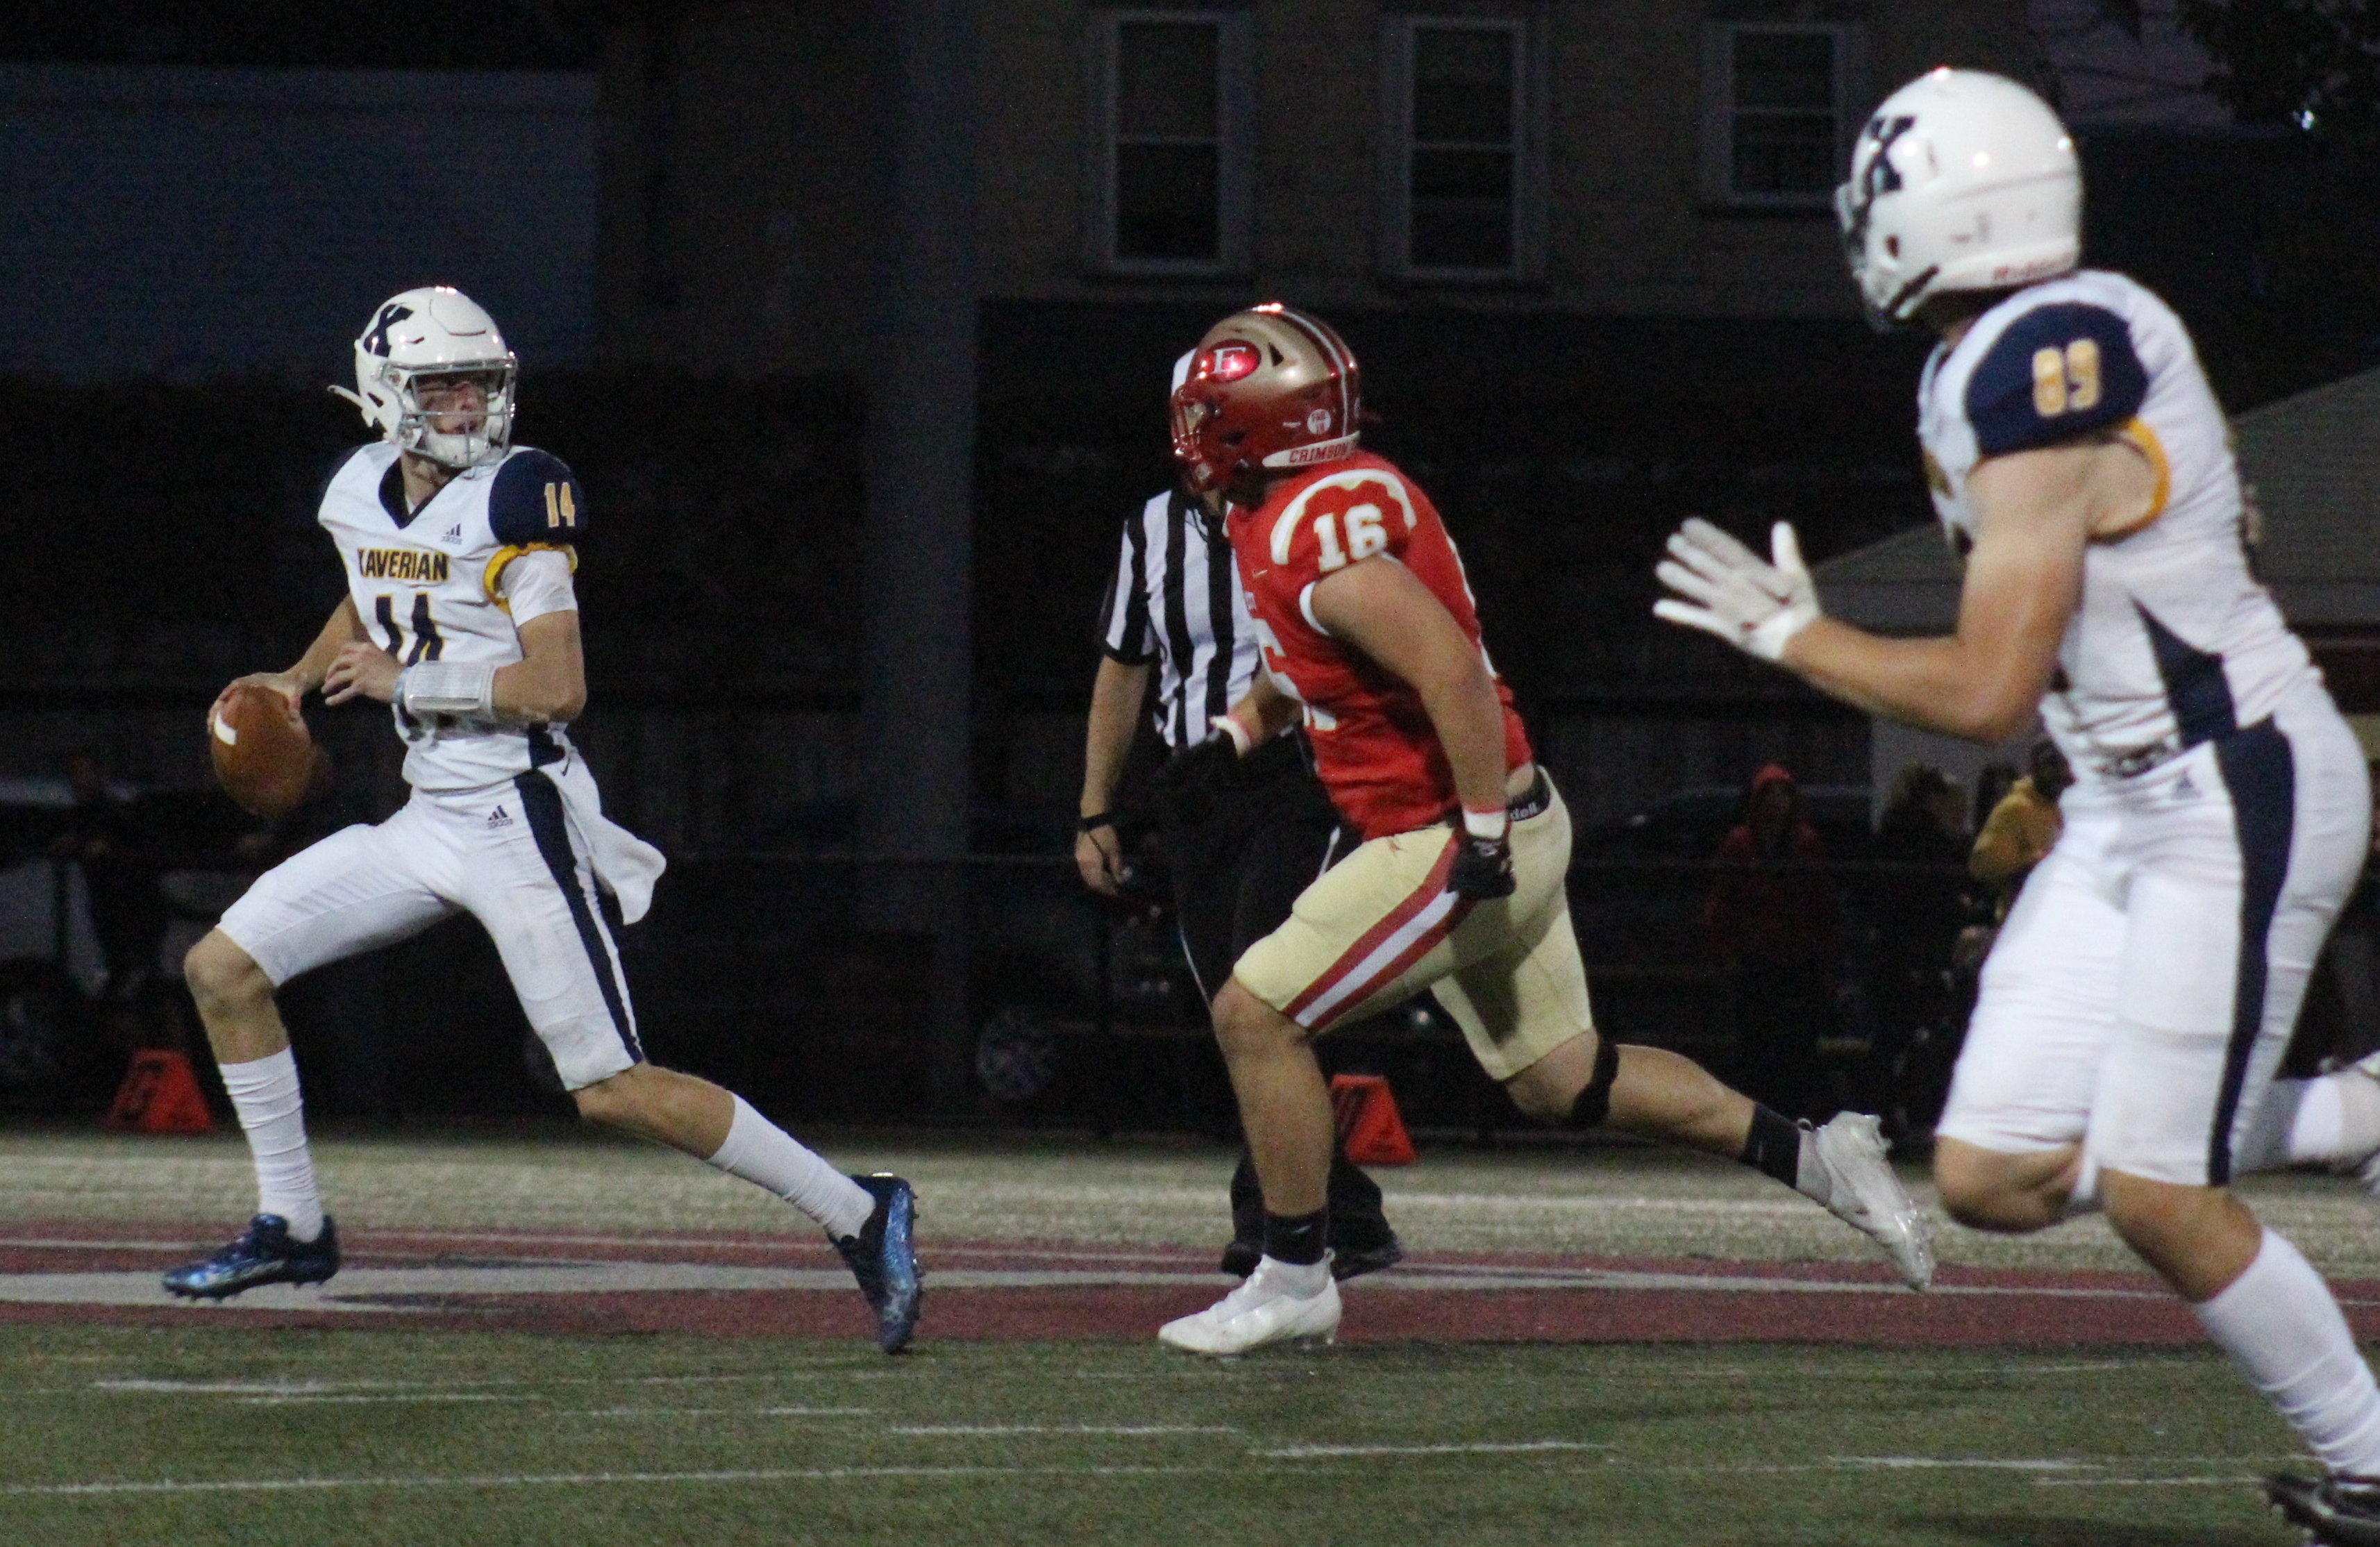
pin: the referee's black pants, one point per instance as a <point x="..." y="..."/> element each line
<point x="1237" y="867"/>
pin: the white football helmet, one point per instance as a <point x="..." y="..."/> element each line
<point x="434" y="332"/>
<point x="1962" y="180"/>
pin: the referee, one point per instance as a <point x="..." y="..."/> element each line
<point x="1240" y="850"/>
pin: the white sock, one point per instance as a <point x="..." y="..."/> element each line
<point x="273" y="1114"/>
<point x="767" y="1156"/>
<point x="2279" y="1324"/>
<point x="1304" y="1280"/>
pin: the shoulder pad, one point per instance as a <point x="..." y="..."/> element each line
<point x="329" y="471"/>
<point x="536" y="500"/>
<point x="2058" y="372"/>
<point x="1338" y="518"/>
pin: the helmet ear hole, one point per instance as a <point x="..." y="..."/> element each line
<point x="1892" y="247"/>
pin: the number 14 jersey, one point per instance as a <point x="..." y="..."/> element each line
<point x="2175" y="641"/>
<point x="1374" y="747"/>
<point x="430" y="587"/>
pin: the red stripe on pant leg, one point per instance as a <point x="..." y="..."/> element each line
<point x="1396" y="969"/>
<point x="1370" y="940"/>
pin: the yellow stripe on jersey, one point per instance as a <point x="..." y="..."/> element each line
<point x="2137" y="433"/>
<point x="503" y="561"/>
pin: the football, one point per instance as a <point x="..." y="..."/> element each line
<point x="265" y="759"/>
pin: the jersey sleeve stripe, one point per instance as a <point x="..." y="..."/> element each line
<point x="2144" y="440"/>
<point x="493" y="575"/>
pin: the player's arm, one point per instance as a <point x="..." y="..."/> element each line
<point x="1117" y="693"/>
<point x="345" y="627"/>
<point x="1264" y="711"/>
<point x="2038" y="511"/>
<point x="1377" y="606"/>
<point x="2036" y="514"/>
<point x="548" y="684"/>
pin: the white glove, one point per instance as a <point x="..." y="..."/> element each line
<point x="1753" y="605"/>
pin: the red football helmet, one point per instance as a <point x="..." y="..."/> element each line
<point x="1269" y="389"/>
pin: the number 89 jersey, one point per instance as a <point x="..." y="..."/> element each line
<point x="428" y="587"/>
<point x="2174" y="642"/>
<point x="1374" y="747"/>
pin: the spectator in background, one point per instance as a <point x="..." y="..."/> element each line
<point x="1922" y="838"/>
<point x="1993" y="782"/>
<point x="1774" y="925"/>
<point x="119" y="873"/>
<point x="2020" y="829"/>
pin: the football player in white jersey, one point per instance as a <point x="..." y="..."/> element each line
<point x="461" y="614"/>
<point x="2137" y="1003"/>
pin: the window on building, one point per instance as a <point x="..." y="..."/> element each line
<point x="1462" y="198"/>
<point x="1776" y="104"/>
<point x="1171" y="114"/>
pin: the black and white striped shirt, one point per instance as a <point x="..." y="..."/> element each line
<point x="1176" y="602"/>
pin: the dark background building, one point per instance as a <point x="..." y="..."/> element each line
<point x="853" y="318"/>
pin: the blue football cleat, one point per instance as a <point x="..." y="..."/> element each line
<point x="883" y="1257"/>
<point x="262" y="1254"/>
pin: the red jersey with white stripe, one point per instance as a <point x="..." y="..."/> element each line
<point x="1374" y="746"/>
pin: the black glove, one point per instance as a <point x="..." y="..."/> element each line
<point x="1185" y="787"/>
<point x="1482" y="869"/>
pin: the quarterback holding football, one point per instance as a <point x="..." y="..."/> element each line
<point x="460" y="615"/>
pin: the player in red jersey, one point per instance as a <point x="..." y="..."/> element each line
<point x="1370" y="636"/>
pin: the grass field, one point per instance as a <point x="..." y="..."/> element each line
<point x="115" y="1437"/>
<point x="205" y="1428"/>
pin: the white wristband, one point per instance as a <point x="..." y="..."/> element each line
<point x="430" y="688"/>
<point x="1490" y="825"/>
<point x="1229" y="726"/>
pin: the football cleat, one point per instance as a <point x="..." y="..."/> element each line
<point x="262" y="1254"/>
<point x="2333" y="1511"/>
<point x="1865" y="1194"/>
<point x="1260" y="1312"/>
<point x="883" y="1257"/>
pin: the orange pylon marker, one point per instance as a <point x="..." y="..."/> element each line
<point x="1369" y="1129"/>
<point x="159" y="1094"/>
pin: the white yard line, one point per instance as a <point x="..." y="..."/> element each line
<point x="2249" y="1479"/>
<point x="384" y="1290"/>
<point x="560" y="1480"/>
<point x="1963" y="1463"/>
<point x="1121" y="1430"/>
<point x="1514" y="1447"/>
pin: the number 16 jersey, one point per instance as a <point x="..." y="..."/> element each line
<point x="1375" y="748"/>
<point x="2174" y="642"/>
<point x="430" y="587"/>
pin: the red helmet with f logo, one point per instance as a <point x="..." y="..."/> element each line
<point x="1271" y="390"/>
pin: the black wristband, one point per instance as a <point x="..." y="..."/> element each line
<point x="1093" y="824"/>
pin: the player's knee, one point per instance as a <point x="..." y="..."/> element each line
<point x="1980" y="1194"/>
<point x="609" y="1102"/>
<point x="222" y="978"/>
<point x="1246" y="1025"/>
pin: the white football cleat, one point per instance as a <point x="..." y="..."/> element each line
<point x="1865" y="1194"/>
<point x="1261" y="1311"/>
